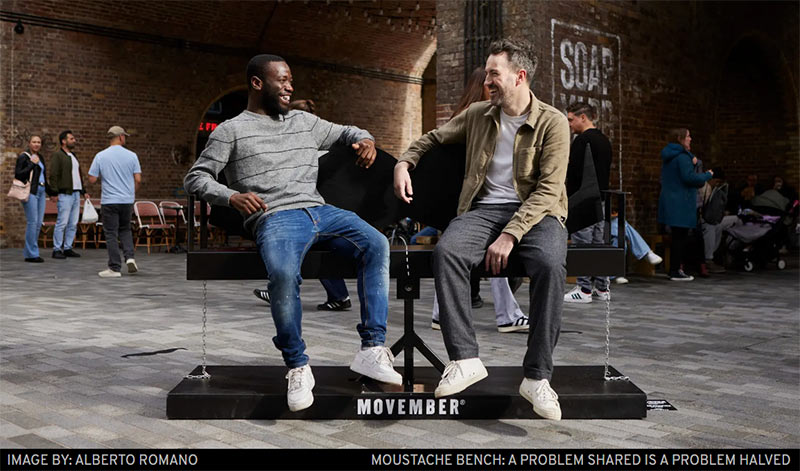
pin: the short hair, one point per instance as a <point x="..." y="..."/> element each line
<point x="677" y="134"/>
<point x="258" y="63"/>
<point x="63" y="136"/>
<point x="520" y="54"/>
<point x="581" y="107"/>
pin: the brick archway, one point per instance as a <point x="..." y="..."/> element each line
<point x="756" y="115"/>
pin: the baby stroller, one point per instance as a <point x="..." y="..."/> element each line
<point x="761" y="231"/>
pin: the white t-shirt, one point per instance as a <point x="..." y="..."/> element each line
<point x="498" y="188"/>
<point x="76" y="174"/>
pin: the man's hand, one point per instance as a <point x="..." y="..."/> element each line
<point x="365" y="149"/>
<point x="497" y="253"/>
<point x="247" y="203"/>
<point x="87" y="196"/>
<point x="402" y="182"/>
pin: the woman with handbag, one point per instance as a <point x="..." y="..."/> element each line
<point x="30" y="169"/>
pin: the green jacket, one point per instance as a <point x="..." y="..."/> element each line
<point x="541" y="156"/>
<point x="60" y="178"/>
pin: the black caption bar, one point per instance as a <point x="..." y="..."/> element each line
<point x="396" y="459"/>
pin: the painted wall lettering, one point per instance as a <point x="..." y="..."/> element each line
<point x="585" y="66"/>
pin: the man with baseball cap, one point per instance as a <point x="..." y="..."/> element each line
<point x="120" y="175"/>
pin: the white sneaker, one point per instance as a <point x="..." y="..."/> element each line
<point x="621" y="280"/>
<point x="435" y="324"/>
<point x="577" y="296"/>
<point x="459" y="375"/>
<point x="652" y="258"/>
<point x="520" y="324"/>
<point x="132" y="268"/>
<point x="376" y="363"/>
<point x="603" y="295"/>
<point x="541" y="395"/>
<point x="301" y="382"/>
<point x="109" y="273"/>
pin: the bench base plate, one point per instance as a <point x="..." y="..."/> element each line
<point x="259" y="392"/>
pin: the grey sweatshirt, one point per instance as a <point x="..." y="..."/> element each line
<point x="274" y="157"/>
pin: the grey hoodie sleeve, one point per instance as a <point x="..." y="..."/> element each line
<point x="202" y="177"/>
<point x="327" y="134"/>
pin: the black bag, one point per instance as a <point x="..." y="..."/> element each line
<point x="368" y="192"/>
<point x="585" y="205"/>
<point x="437" y="182"/>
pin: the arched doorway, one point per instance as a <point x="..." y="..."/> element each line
<point x="223" y="109"/>
<point x="756" y="116"/>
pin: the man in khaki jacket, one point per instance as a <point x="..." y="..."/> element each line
<point x="513" y="198"/>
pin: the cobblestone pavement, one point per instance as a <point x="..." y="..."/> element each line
<point x="723" y="350"/>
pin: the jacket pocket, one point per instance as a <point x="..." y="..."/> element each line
<point x="528" y="163"/>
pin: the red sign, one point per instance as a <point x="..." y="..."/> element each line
<point x="208" y="126"/>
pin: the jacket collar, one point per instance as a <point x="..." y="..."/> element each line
<point x="494" y="111"/>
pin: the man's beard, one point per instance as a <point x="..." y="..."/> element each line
<point x="272" y="104"/>
<point x="497" y="98"/>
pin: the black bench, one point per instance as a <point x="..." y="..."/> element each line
<point x="259" y="391"/>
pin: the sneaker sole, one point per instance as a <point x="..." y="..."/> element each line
<point x="513" y="328"/>
<point x="388" y="379"/>
<point x="132" y="268"/>
<point x="442" y="391"/>
<point x="691" y="278"/>
<point x="302" y="405"/>
<point x="110" y="276"/>
<point x="436" y="326"/>
<point x="578" y="301"/>
<point x="550" y="415"/>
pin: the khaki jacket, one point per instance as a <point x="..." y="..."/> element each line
<point x="541" y="156"/>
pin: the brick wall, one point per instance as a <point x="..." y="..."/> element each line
<point x="681" y="65"/>
<point x="159" y="93"/>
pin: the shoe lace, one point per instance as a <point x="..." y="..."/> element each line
<point x="384" y="357"/>
<point x="545" y="393"/>
<point x="451" y="371"/>
<point x="296" y="377"/>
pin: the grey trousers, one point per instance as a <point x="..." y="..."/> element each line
<point x="588" y="236"/>
<point x="543" y="251"/>
<point x="117" y="228"/>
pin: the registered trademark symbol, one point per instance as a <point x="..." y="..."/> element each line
<point x="462" y="402"/>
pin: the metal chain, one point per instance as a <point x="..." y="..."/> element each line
<point x="606" y="375"/>
<point x="204" y="374"/>
<point x="408" y="264"/>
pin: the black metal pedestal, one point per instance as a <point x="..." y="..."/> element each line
<point x="259" y="392"/>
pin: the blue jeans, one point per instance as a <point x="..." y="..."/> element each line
<point x="283" y="239"/>
<point x="335" y="289"/>
<point x="69" y="208"/>
<point x="34" y="214"/>
<point x="638" y="246"/>
<point x="427" y="231"/>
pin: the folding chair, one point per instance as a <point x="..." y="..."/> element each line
<point x="170" y="214"/>
<point x="49" y="222"/>
<point x="151" y="225"/>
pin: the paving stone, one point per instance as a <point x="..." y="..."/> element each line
<point x="33" y="441"/>
<point x="731" y="366"/>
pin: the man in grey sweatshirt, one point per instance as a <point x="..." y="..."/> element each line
<point x="269" y="157"/>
